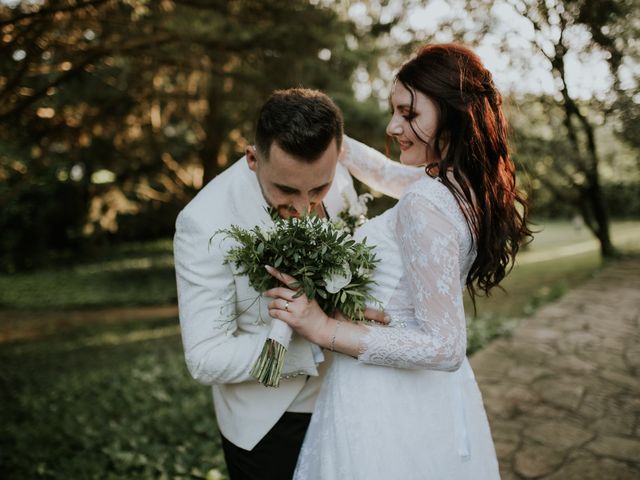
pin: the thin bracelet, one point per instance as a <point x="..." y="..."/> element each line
<point x="333" y="340"/>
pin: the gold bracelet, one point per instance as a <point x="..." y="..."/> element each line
<point x="333" y="340"/>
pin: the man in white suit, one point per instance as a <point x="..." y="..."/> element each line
<point x="293" y="168"/>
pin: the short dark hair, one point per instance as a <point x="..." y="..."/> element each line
<point x="301" y="121"/>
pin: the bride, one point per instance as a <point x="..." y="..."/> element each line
<point x="401" y="401"/>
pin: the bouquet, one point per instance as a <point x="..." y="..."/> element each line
<point x="329" y="265"/>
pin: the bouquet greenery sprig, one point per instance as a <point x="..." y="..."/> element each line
<point x="329" y="265"/>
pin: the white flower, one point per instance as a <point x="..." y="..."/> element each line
<point x="363" y="272"/>
<point x="336" y="281"/>
<point x="359" y="209"/>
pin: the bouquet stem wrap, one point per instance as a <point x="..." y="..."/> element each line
<point x="268" y="367"/>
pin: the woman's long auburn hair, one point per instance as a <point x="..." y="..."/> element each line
<point x="472" y="133"/>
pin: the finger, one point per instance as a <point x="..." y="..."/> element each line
<point x="283" y="277"/>
<point x="280" y="304"/>
<point x="286" y="317"/>
<point x="281" y="292"/>
<point x="377" y="316"/>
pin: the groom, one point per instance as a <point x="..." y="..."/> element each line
<point x="293" y="168"/>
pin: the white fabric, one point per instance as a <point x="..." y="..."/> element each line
<point x="436" y="251"/>
<point x="377" y="171"/>
<point x="409" y="407"/>
<point x="224" y="322"/>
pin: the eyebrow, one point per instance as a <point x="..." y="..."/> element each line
<point x="291" y="189"/>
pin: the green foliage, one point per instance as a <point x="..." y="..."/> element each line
<point x="157" y="94"/>
<point x="572" y="170"/>
<point x="124" y="411"/>
<point x="127" y="274"/>
<point x="552" y="172"/>
<point x="485" y="328"/>
<point x="329" y="265"/>
<point x="32" y="223"/>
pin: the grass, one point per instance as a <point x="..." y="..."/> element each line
<point x="128" y="275"/>
<point x="114" y="399"/>
<point x="73" y="409"/>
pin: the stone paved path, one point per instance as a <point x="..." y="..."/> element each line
<point x="563" y="392"/>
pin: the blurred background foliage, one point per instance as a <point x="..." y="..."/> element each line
<point x="114" y="113"/>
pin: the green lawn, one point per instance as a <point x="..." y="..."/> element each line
<point x="127" y="275"/>
<point x="114" y="399"/>
<point x="78" y="409"/>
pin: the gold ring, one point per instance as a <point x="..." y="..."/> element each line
<point x="286" y="306"/>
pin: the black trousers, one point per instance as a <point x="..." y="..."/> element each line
<point x="274" y="457"/>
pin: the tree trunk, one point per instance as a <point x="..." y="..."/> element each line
<point x="601" y="219"/>
<point x="594" y="210"/>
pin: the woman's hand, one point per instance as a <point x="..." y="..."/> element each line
<point x="302" y="315"/>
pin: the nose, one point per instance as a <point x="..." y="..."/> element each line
<point x="302" y="206"/>
<point x="393" y="127"/>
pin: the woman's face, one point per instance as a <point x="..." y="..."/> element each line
<point x="415" y="149"/>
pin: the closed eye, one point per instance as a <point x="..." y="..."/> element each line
<point x="406" y="112"/>
<point x="409" y="114"/>
<point x="287" y="190"/>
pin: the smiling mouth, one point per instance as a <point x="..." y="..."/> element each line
<point x="404" y="145"/>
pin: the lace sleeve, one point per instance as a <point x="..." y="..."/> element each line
<point x="429" y="245"/>
<point x="376" y="170"/>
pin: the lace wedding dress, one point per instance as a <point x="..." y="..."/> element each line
<point x="409" y="406"/>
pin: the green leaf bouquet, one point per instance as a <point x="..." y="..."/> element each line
<point x="330" y="266"/>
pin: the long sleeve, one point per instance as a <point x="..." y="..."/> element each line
<point x="376" y="170"/>
<point x="435" y="337"/>
<point x="215" y="350"/>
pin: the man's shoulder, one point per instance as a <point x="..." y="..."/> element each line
<point x="212" y="203"/>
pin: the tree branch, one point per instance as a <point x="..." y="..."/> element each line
<point x="77" y="70"/>
<point x="43" y="12"/>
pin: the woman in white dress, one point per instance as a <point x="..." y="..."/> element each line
<point x="401" y="401"/>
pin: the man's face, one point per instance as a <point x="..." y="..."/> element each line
<point x="294" y="187"/>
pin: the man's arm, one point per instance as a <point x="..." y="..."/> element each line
<point x="216" y="351"/>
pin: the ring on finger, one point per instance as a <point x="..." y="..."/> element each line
<point x="286" y="305"/>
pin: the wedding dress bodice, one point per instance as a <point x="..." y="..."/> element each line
<point x="425" y="250"/>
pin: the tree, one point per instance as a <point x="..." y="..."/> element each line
<point x="128" y="106"/>
<point x="559" y="31"/>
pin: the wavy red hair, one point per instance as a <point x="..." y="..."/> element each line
<point x="472" y="125"/>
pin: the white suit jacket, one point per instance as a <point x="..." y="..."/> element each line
<point x="224" y="322"/>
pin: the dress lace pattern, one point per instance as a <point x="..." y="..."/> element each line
<point x="436" y="249"/>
